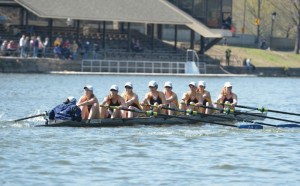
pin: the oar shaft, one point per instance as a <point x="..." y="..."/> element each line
<point x="267" y="117"/>
<point x="29" y="117"/>
<point x="268" y="110"/>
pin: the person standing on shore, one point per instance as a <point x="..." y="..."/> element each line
<point x="228" y="55"/>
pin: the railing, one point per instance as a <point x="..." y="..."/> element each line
<point x="192" y="56"/>
<point x="133" y="66"/>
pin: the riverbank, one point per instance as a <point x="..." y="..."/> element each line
<point x="50" y="65"/>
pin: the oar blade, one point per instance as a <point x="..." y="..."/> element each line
<point x="252" y="126"/>
<point x="288" y="126"/>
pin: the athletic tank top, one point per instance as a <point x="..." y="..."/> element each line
<point x="230" y="100"/>
<point x="157" y="100"/>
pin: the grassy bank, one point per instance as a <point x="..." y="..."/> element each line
<point x="260" y="58"/>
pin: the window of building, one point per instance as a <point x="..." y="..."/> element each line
<point x="200" y="10"/>
<point x="214" y="13"/>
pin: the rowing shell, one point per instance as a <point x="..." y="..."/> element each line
<point x="158" y="120"/>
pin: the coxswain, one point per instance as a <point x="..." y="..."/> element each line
<point x="131" y="101"/>
<point x="227" y="98"/>
<point x="68" y="110"/>
<point x="191" y="100"/>
<point x="154" y="99"/>
<point x="206" y="97"/>
<point x="171" y="98"/>
<point x="89" y="105"/>
<point x="112" y="105"/>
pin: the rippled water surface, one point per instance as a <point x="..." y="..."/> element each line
<point x="143" y="155"/>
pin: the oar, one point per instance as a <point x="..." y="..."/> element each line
<point x="278" y="126"/>
<point x="262" y="116"/>
<point x="253" y="126"/>
<point x="34" y="116"/>
<point x="262" y="109"/>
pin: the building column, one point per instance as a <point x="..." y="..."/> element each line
<point x="175" y="37"/>
<point x="104" y="34"/>
<point x="50" y="28"/>
<point x="77" y="29"/>
<point x="202" y="44"/>
<point x="129" y="37"/>
<point x="152" y="37"/>
<point x="192" y="46"/>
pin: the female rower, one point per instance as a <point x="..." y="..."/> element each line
<point x="112" y="100"/>
<point x="131" y="101"/>
<point x="227" y="97"/>
<point x="171" y="98"/>
<point x="89" y="104"/>
<point x="206" y="97"/>
<point x="154" y="98"/>
<point x="192" y="99"/>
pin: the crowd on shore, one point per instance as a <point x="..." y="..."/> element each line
<point x="127" y="105"/>
<point x="35" y="47"/>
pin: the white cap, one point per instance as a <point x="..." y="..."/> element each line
<point x="192" y="83"/>
<point x="89" y="87"/>
<point x="153" y="84"/>
<point x="168" y="84"/>
<point x="228" y="84"/>
<point x="114" y="87"/>
<point x="128" y="84"/>
<point x="71" y="99"/>
<point x="202" y="83"/>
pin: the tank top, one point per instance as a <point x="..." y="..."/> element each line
<point x="157" y="100"/>
<point x="110" y="103"/>
<point x="230" y="100"/>
<point x="195" y="100"/>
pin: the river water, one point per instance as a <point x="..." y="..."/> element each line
<point x="174" y="155"/>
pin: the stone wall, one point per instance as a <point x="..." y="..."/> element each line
<point x="38" y="65"/>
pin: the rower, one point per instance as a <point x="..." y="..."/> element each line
<point x="171" y="97"/>
<point x="227" y="97"/>
<point x="131" y="101"/>
<point x="191" y="100"/>
<point x="112" y="100"/>
<point x="154" y="98"/>
<point x="206" y="97"/>
<point x="89" y="105"/>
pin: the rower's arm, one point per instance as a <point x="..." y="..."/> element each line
<point x="234" y="97"/>
<point x="123" y="104"/>
<point x="104" y="102"/>
<point x="163" y="99"/>
<point x="132" y="100"/>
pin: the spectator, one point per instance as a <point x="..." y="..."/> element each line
<point x="22" y="46"/>
<point x="11" y="47"/>
<point x="249" y="66"/>
<point x="86" y="49"/>
<point x="46" y="45"/>
<point x="4" y="48"/>
<point x="35" y="47"/>
<point x="228" y="54"/>
<point x="263" y="44"/>
<point x="57" y="51"/>
<point x="138" y="46"/>
<point x="1" y="41"/>
<point x="26" y="46"/>
<point x="31" y="46"/>
<point x="57" y="41"/>
<point x="74" y="49"/>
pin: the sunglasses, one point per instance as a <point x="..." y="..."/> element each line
<point x="128" y="87"/>
<point x="113" y="90"/>
<point x="168" y="87"/>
